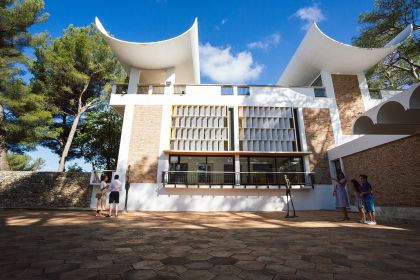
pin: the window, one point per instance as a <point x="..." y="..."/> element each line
<point x="263" y="170"/>
<point x="317" y="82"/>
<point x="320" y="92"/>
<point x="375" y="94"/>
<point x="243" y="91"/>
<point x="213" y="170"/>
<point x="227" y="90"/>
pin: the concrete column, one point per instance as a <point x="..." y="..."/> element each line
<point x="237" y="169"/>
<point x="133" y="80"/>
<point x="169" y="77"/>
<point x="364" y="90"/>
<point x="122" y="163"/>
<point x="165" y="135"/>
<point x="236" y="141"/>
<point x="334" y="114"/>
<point x="302" y="134"/>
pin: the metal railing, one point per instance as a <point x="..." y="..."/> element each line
<point x="181" y="88"/>
<point x="121" y="88"/>
<point x="198" y="178"/>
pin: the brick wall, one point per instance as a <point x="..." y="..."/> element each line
<point x="393" y="170"/>
<point x="26" y="189"/>
<point x="144" y="144"/>
<point x="349" y="100"/>
<point x="320" y="138"/>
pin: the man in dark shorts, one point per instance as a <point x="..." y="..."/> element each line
<point x="367" y="199"/>
<point x="114" y="196"/>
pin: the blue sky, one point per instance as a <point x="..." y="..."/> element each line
<point x="240" y="41"/>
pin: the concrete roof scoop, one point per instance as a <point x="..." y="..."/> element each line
<point x="318" y="52"/>
<point x="180" y="52"/>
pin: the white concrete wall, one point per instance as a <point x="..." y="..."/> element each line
<point x="150" y="197"/>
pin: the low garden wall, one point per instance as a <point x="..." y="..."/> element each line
<point x="26" y="189"/>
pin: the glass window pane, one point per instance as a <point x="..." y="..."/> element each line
<point x="320" y="92"/>
<point x="227" y="90"/>
<point x="243" y="91"/>
<point x="244" y="164"/>
<point x="223" y="168"/>
<point x="262" y="166"/>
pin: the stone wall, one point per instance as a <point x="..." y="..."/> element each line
<point x="320" y="138"/>
<point x="26" y="189"/>
<point x="144" y="144"/>
<point x="349" y="100"/>
<point x="393" y="170"/>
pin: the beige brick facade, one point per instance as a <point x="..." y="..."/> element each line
<point x="349" y="100"/>
<point x="393" y="170"/>
<point x="320" y="138"/>
<point x="144" y="144"/>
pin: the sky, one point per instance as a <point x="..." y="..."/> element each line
<point x="240" y="41"/>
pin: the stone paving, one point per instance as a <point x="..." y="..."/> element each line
<point x="179" y="245"/>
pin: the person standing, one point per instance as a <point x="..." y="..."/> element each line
<point x="367" y="199"/>
<point x="357" y="189"/>
<point x="341" y="195"/>
<point x="114" y="196"/>
<point x="102" y="195"/>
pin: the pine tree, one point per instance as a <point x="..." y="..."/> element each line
<point x="22" y="113"/>
<point x="74" y="72"/>
<point x="378" y="27"/>
<point x="99" y="138"/>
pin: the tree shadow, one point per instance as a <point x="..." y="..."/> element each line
<point x="25" y="189"/>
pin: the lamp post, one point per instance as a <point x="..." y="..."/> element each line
<point x="127" y="187"/>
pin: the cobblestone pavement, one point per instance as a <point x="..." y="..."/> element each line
<point x="179" y="245"/>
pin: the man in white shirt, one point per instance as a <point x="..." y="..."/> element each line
<point x="114" y="196"/>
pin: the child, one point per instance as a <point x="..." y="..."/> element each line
<point x="367" y="199"/>
<point x="358" y="200"/>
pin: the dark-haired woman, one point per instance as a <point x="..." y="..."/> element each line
<point x="341" y="195"/>
<point x="357" y="190"/>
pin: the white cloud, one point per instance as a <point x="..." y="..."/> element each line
<point x="266" y="42"/>
<point x="222" y="22"/>
<point x="223" y="66"/>
<point x="309" y="15"/>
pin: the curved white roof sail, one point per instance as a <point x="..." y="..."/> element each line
<point x="180" y="52"/>
<point x="319" y="52"/>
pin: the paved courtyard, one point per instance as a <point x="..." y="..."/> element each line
<point x="179" y="245"/>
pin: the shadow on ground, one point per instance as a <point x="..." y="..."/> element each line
<point x="213" y="245"/>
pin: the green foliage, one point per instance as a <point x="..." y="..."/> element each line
<point x="74" y="73"/>
<point x="378" y="27"/>
<point x="26" y="119"/>
<point x="74" y="168"/>
<point x="23" y="162"/>
<point x="23" y="117"/>
<point x="99" y="138"/>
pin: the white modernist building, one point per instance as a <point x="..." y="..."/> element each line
<point x="210" y="147"/>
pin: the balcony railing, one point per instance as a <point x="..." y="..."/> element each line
<point x="121" y="88"/>
<point x="197" y="178"/>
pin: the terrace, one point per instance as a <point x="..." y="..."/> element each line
<point x="198" y="245"/>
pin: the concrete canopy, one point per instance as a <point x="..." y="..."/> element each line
<point x="319" y="52"/>
<point x="180" y="52"/>
<point x="398" y="115"/>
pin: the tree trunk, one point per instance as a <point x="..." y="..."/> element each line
<point x="68" y="142"/>
<point x="4" y="165"/>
